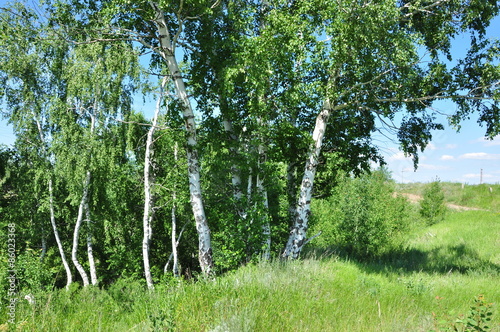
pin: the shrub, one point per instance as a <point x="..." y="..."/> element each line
<point x="432" y="206"/>
<point x="362" y="216"/>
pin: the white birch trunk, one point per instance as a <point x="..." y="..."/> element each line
<point x="69" y="276"/>
<point x="90" y="248"/>
<point x="148" y="197"/>
<point x="297" y="238"/>
<point x="175" y="267"/>
<point x="235" y="175"/>
<point x="165" y="269"/>
<point x="168" y="54"/>
<point x="266" y="228"/>
<point x="76" y="233"/>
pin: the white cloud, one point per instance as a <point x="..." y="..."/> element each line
<point x="480" y="156"/>
<point x="447" y="157"/>
<point x="434" y="167"/>
<point x="451" y="146"/>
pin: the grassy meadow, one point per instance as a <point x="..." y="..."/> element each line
<point x="426" y="287"/>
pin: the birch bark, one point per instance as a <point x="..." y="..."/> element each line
<point x="148" y="196"/>
<point x="235" y="174"/>
<point x="168" y="53"/>
<point x="175" y="267"/>
<point x="90" y="248"/>
<point x="266" y="228"/>
<point x="69" y="276"/>
<point x="76" y="233"/>
<point x="297" y="238"/>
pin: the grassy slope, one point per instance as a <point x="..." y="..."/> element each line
<point x="478" y="196"/>
<point x="455" y="260"/>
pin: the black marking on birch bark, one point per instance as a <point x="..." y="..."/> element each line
<point x="300" y="221"/>
<point x="324" y="115"/>
<point x="300" y="243"/>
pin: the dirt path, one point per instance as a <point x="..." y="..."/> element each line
<point x="417" y="198"/>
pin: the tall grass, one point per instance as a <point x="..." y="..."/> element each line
<point x="310" y="295"/>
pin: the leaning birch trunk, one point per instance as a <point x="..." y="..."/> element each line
<point x="148" y="197"/>
<point x="297" y="238"/>
<point x="76" y="233"/>
<point x="168" y="53"/>
<point x="69" y="276"/>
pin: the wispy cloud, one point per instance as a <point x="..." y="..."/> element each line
<point x="488" y="142"/>
<point x="477" y="176"/>
<point x="447" y="157"/>
<point x="480" y="156"/>
<point x="431" y="146"/>
<point x="398" y="156"/>
<point x="451" y="146"/>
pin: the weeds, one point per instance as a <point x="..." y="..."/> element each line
<point x="477" y="319"/>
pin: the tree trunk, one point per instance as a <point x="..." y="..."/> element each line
<point x="168" y="54"/>
<point x="69" y="277"/>
<point x="261" y="190"/>
<point x="235" y="174"/>
<point x="78" y="225"/>
<point x="175" y="267"/>
<point x="266" y="228"/>
<point x="148" y="197"/>
<point x="90" y="249"/>
<point x="297" y="238"/>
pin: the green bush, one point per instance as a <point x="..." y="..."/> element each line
<point x="432" y="206"/>
<point x="362" y="216"/>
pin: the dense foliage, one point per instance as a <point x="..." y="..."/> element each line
<point x="362" y="218"/>
<point x="432" y="206"/>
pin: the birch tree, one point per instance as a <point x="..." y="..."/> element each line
<point x="31" y="84"/>
<point x="378" y="59"/>
<point x="99" y="79"/>
<point x="158" y="27"/>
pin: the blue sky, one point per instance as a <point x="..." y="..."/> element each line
<point x="451" y="156"/>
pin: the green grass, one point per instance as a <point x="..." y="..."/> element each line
<point x="478" y="196"/>
<point x="443" y="269"/>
